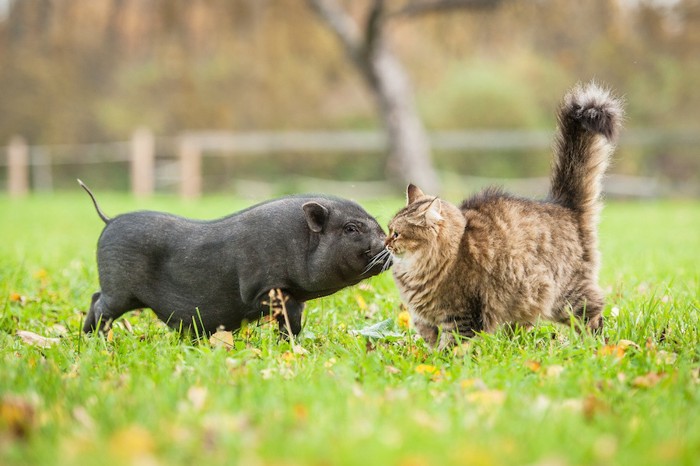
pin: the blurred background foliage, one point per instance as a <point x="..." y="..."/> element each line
<point x="79" y="71"/>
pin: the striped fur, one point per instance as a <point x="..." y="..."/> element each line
<point x="498" y="258"/>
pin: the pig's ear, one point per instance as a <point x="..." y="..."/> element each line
<point x="316" y="216"/>
<point x="413" y="192"/>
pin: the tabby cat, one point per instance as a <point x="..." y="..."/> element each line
<point x="500" y="259"/>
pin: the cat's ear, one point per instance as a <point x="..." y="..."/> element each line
<point x="413" y="192"/>
<point x="433" y="213"/>
<point x="316" y="216"/>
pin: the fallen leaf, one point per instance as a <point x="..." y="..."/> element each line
<point x="84" y="419"/>
<point x="666" y="357"/>
<point x="392" y="370"/>
<point x="534" y="366"/>
<point x="221" y="339"/>
<point x="361" y="302"/>
<point x="648" y="380"/>
<point x="18" y="415"/>
<point x="301" y="412"/>
<point x="34" y="339"/>
<point x="612" y="350"/>
<point x="59" y="330"/>
<point x="553" y="371"/>
<point x="427" y="369"/>
<point x="624" y="344"/>
<point x="299" y="350"/>
<point x="197" y="396"/>
<point x="593" y="406"/>
<point x="487" y="397"/>
<point x="134" y="443"/>
<point x="476" y="384"/>
<point x="17" y="298"/>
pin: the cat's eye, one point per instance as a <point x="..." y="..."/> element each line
<point x="395" y="235"/>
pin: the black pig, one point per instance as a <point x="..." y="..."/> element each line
<point x="208" y="275"/>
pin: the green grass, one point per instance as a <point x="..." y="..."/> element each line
<point x="547" y="396"/>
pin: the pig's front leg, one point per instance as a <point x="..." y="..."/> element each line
<point x="285" y="309"/>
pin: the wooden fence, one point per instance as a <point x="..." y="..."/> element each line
<point x="31" y="166"/>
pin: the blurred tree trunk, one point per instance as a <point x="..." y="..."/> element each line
<point x="409" y="158"/>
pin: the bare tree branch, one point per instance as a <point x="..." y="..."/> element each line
<point x="417" y="8"/>
<point x="373" y="29"/>
<point x="342" y="25"/>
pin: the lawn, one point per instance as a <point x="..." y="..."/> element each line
<point x="549" y="396"/>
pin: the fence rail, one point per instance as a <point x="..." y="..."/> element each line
<point x="31" y="166"/>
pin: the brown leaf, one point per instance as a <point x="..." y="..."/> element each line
<point x="17" y="415"/>
<point x="34" y="339"/>
<point x="593" y="406"/>
<point x="648" y="380"/>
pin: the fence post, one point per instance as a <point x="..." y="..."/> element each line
<point x="18" y="167"/>
<point x="42" y="175"/>
<point x="142" y="163"/>
<point x="190" y="168"/>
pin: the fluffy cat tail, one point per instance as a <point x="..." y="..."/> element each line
<point x="589" y="121"/>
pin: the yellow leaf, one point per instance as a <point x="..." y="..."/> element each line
<point x="301" y="412"/>
<point x="612" y="350"/>
<point x="477" y="384"/>
<point x="427" y="369"/>
<point x="361" y="302"/>
<point x="330" y="363"/>
<point x="553" y="371"/>
<point x="221" y="339"/>
<point x="17" y="298"/>
<point x="41" y="274"/>
<point x="110" y="335"/>
<point x="487" y="397"/>
<point x="133" y="443"/>
<point x="624" y="344"/>
<point x="534" y="366"/>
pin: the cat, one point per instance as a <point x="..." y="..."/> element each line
<point x="501" y="259"/>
